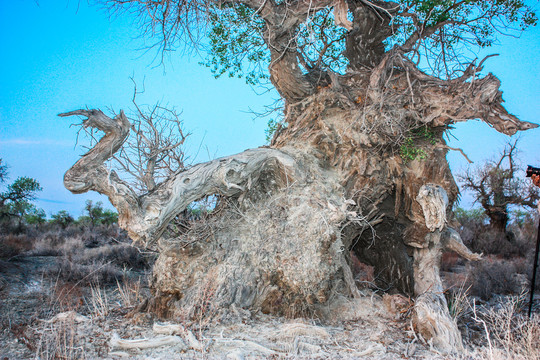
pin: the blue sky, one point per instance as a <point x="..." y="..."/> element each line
<point x="59" y="56"/>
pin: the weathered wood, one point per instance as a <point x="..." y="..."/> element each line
<point x="145" y="217"/>
<point x="117" y="343"/>
<point x="335" y="179"/>
<point x="431" y="315"/>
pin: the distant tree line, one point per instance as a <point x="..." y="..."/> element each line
<point x="18" y="211"/>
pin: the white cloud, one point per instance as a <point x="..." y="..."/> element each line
<point x="28" y="142"/>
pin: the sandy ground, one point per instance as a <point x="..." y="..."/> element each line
<point x="38" y="325"/>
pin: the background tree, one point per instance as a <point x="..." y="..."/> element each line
<point x="369" y="88"/>
<point x="31" y="215"/>
<point x="496" y="186"/>
<point x="3" y="171"/>
<point x="62" y="218"/>
<point x="96" y="214"/>
<point x="15" y="200"/>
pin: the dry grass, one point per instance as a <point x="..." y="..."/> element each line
<point x="99" y="301"/>
<point x="58" y="340"/>
<point x="508" y="332"/>
<point x="458" y="300"/>
<point x="129" y="292"/>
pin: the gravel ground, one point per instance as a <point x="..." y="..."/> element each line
<point x="42" y="320"/>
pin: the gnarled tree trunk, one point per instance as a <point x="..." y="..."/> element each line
<point x="331" y="182"/>
<point x="360" y="166"/>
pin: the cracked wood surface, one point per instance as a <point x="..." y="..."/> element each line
<point x="145" y="217"/>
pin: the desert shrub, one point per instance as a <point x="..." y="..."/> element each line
<point x="527" y="269"/>
<point x="50" y="243"/>
<point x="85" y="274"/>
<point x="103" y="264"/>
<point x="493" y="276"/>
<point x="511" y="334"/>
<point x="57" y="240"/>
<point x="121" y="255"/>
<point x="13" y="245"/>
<point x="481" y="238"/>
<point x="449" y="260"/>
<point x="89" y="255"/>
<point x="497" y="243"/>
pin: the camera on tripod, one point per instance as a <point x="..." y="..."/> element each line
<point x="531" y="170"/>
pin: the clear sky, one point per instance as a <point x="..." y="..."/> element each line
<point x="58" y="56"/>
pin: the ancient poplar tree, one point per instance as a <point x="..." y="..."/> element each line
<point x="358" y="164"/>
<point x="496" y="186"/>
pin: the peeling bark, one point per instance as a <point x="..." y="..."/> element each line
<point x="332" y="181"/>
<point x="431" y="315"/>
<point x="364" y="43"/>
<point x="146" y="217"/>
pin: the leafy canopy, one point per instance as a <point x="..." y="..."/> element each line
<point x="97" y="215"/>
<point x="441" y="35"/>
<point x="15" y="201"/>
<point x="62" y="218"/>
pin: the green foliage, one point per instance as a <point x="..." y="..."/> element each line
<point x="411" y="148"/>
<point x="3" y="171"/>
<point x="236" y="46"/>
<point x="197" y="210"/>
<point x="476" y="215"/>
<point x="25" y="213"/>
<point x="62" y="218"/>
<point x="15" y="200"/>
<point x="273" y="125"/>
<point x="22" y="189"/>
<point x="469" y="22"/>
<point x="96" y="214"/>
<point x="521" y="217"/>
<point x="322" y="42"/>
<point x="34" y="215"/>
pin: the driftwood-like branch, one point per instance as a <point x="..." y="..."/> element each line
<point x="439" y="103"/>
<point x="145" y="217"/>
<point x="117" y="343"/>
<point x="479" y="98"/>
<point x="431" y="310"/>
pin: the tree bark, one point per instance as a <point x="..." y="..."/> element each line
<point x="364" y="43"/>
<point x="431" y="315"/>
<point x="335" y="179"/>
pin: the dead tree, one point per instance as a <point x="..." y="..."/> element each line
<point x="496" y="187"/>
<point x="153" y="151"/>
<point x="353" y="167"/>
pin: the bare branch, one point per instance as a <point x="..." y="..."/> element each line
<point x="495" y="187"/>
<point x="154" y="151"/>
<point x="145" y="217"/>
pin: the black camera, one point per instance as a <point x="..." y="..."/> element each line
<point x="531" y="170"/>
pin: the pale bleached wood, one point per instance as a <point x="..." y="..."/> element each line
<point x="431" y="314"/>
<point x="117" y="343"/>
<point x="145" y="217"/>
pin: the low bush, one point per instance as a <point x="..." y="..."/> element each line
<point x="86" y="274"/>
<point x="492" y="276"/>
<point x="509" y="333"/>
<point x="12" y="245"/>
